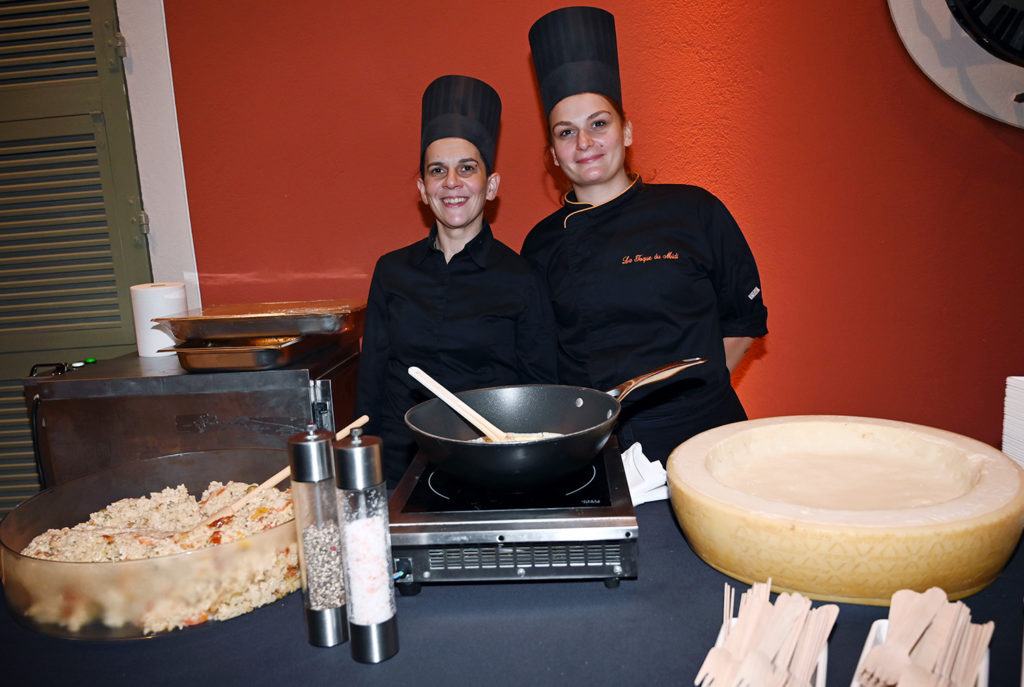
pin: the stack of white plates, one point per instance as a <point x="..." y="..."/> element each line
<point x="1013" y="419"/>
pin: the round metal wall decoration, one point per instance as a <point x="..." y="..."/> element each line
<point x="971" y="49"/>
<point x="996" y="25"/>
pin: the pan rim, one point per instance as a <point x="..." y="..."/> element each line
<point x="472" y="442"/>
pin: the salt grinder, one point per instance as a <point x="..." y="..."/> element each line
<point x="363" y="500"/>
<point x="316" y="518"/>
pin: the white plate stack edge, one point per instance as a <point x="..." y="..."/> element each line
<point x="1013" y="420"/>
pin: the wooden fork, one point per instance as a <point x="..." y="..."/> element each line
<point x="910" y="613"/>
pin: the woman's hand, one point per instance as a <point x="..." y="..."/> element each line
<point x="735" y="348"/>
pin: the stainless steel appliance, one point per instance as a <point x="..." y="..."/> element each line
<point x="113" y="411"/>
<point x="580" y="527"/>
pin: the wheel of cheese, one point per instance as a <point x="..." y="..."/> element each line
<point x="848" y="509"/>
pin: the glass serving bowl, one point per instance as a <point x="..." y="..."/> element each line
<point x="138" y="598"/>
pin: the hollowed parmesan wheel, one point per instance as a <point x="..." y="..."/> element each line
<point x="848" y="509"/>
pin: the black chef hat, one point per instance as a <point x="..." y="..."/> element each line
<point x="461" y="107"/>
<point x="574" y="52"/>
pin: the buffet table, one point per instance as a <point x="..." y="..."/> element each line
<point x="654" y="630"/>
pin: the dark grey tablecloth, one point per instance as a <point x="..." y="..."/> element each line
<point x="651" y="631"/>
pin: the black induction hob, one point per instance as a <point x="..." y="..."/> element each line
<point x="579" y="527"/>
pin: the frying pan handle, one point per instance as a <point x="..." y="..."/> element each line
<point x="621" y="390"/>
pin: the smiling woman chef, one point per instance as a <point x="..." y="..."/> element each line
<point x="641" y="275"/>
<point x="458" y="303"/>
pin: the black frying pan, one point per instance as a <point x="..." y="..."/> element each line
<point x="585" y="417"/>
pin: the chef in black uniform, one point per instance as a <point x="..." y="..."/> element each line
<point x="458" y="303"/>
<point x="641" y="275"/>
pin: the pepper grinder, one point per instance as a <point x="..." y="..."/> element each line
<point x="319" y="535"/>
<point x="363" y="501"/>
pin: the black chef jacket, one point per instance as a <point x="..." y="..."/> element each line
<point x="477" y="321"/>
<point x="656" y="275"/>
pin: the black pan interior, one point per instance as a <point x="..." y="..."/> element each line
<point x="584" y="417"/>
<point x="524" y="408"/>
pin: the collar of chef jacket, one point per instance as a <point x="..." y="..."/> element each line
<point x="576" y="208"/>
<point x="478" y="247"/>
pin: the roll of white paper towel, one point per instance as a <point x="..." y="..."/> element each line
<point x="155" y="300"/>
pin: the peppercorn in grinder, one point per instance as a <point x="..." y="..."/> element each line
<point x="320" y="540"/>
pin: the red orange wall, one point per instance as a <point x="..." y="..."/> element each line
<point x="885" y="216"/>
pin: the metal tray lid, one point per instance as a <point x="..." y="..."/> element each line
<point x="286" y="318"/>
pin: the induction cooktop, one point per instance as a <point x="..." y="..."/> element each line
<point x="581" y="527"/>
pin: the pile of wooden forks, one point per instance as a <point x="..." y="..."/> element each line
<point x="767" y="645"/>
<point x="929" y="643"/>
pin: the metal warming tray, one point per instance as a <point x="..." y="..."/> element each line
<point x="258" y="353"/>
<point x="284" y="319"/>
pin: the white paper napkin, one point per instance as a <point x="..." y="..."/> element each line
<point x="1013" y="419"/>
<point x="647" y="479"/>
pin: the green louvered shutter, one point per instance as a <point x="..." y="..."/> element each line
<point x="72" y="236"/>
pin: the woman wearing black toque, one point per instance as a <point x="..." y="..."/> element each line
<point x="459" y="303"/>
<point x="640" y="275"/>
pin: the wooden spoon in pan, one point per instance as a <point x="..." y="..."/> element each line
<point x="458" y="405"/>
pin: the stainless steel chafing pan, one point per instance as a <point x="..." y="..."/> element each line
<point x="284" y="319"/>
<point x="258" y="353"/>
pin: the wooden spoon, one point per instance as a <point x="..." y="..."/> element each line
<point x="813" y="640"/>
<point x="458" y="405"/>
<point x="937" y="642"/>
<point x="965" y="667"/>
<point x="276" y="479"/>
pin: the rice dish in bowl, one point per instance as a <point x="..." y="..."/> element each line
<point x="209" y="573"/>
